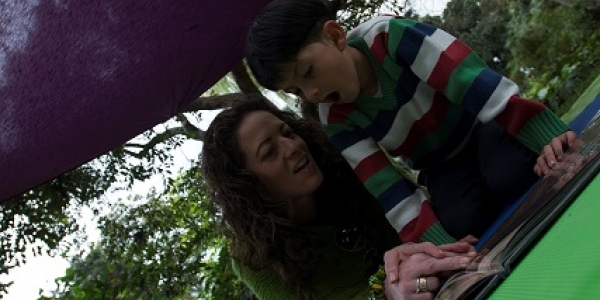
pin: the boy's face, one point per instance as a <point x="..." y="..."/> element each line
<point x="324" y="71"/>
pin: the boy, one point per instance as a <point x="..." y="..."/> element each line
<point x="421" y="95"/>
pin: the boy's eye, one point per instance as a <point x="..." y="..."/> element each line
<point x="298" y="93"/>
<point x="308" y="72"/>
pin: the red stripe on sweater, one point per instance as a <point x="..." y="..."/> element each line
<point x="427" y="124"/>
<point x="371" y="165"/>
<point x="338" y="113"/>
<point x="414" y="230"/>
<point x="517" y="113"/>
<point x="378" y="47"/>
<point x="448" y="61"/>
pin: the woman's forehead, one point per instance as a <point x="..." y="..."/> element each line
<point x="256" y="127"/>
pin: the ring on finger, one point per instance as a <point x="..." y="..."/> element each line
<point x="422" y="285"/>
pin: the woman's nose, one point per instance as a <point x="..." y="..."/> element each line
<point x="290" y="146"/>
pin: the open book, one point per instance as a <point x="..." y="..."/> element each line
<point x="530" y="220"/>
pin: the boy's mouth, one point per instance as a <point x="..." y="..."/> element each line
<point x="333" y="97"/>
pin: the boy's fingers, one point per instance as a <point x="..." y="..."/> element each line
<point x="548" y="154"/>
<point x="538" y="170"/>
<point x="557" y="147"/>
<point x="543" y="165"/>
<point x="571" y="136"/>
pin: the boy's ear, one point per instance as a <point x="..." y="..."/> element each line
<point x="333" y="31"/>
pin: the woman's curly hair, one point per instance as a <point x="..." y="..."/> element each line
<point x="261" y="234"/>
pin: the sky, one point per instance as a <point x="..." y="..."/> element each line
<point x="40" y="272"/>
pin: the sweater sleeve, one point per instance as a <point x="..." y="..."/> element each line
<point x="263" y="283"/>
<point x="453" y="69"/>
<point x="405" y="205"/>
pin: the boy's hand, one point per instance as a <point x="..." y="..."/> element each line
<point x="552" y="153"/>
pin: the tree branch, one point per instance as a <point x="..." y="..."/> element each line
<point x="243" y="80"/>
<point x="214" y="102"/>
<point x="193" y="132"/>
<point x="159" y="138"/>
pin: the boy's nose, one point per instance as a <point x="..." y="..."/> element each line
<point x="311" y="93"/>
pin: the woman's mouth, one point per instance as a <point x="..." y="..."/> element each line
<point x="301" y="165"/>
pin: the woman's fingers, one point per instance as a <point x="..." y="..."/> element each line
<point x="470" y="239"/>
<point x="413" y="289"/>
<point x="394" y="257"/>
<point x="459" y="247"/>
<point x="425" y="247"/>
<point x="419" y="265"/>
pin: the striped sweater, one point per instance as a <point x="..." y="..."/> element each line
<point x="433" y="90"/>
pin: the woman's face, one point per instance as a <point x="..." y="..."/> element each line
<point x="281" y="161"/>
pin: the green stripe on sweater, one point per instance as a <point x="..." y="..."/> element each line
<point x="381" y="181"/>
<point x="437" y="235"/>
<point x="462" y="77"/>
<point x="540" y="130"/>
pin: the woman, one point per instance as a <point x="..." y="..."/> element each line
<point x="302" y="225"/>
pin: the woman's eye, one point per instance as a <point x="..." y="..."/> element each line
<point x="287" y="132"/>
<point x="270" y="151"/>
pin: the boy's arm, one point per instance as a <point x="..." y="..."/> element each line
<point x="453" y="69"/>
<point x="406" y="206"/>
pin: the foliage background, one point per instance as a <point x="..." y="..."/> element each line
<point x="165" y="243"/>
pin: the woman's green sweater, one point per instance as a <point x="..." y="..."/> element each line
<point x="341" y="275"/>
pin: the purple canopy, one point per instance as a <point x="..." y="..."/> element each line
<point x="80" y="77"/>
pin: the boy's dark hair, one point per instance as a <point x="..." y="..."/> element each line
<point x="282" y="29"/>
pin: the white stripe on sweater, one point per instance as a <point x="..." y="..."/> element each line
<point x="407" y="210"/>
<point x="497" y="102"/>
<point x="430" y="52"/>
<point x="359" y="151"/>
<point x="370" y="29"/>
<point x="409" y="113"/>
<point x="324" y="112"/>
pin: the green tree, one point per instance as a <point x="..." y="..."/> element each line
<point x="555" y="48"/>
<point x="480" y="24"/>
<point x="163" y="246"/>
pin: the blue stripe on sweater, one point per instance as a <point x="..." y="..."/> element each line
<point x="479" y="92"/>
<point x="425" y="28"/>
<point x="346" y="138"/>
<point x="383" y="120"/>
<point x="395" y="194"/>
<point x="411" y="42"/>
<point x="409" y="47"/>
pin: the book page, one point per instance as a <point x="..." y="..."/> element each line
<point x="482" y="267"/>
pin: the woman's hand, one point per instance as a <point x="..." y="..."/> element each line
<point x="418" y="275"/>
<point x="394" y="257"/>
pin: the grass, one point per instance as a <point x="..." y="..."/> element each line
<point x="586" y="98"/>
